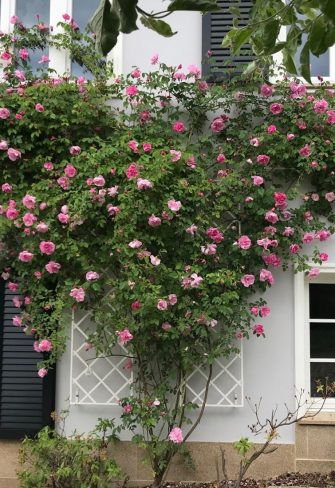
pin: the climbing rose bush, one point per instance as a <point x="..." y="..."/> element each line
<point x="161" y="204"/>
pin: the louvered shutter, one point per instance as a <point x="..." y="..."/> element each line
<point x="26" y="400"/>
<point x="214" y="28"/>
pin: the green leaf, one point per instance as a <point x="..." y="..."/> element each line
<point x="278" y="47"/>
<point x="289" y="63"/>
<point x="327" y="7"/>
<point x="240" y="37"/>
<point x="305" y="63"/>
<point x="105" y="23"/>
<point x="270" y="35"/>
<point x="128" y="15"/>
<point x="159" y="26"/>
<point x="317" y="36"/>
<point x="197" y="5"/>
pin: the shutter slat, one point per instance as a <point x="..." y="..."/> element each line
<point x="215" y="26"/>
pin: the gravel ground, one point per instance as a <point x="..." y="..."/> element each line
<point x="310" y="480"/>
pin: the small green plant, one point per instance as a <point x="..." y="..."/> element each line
<point x="53" y="461"/>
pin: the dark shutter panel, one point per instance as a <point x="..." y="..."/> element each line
<point x="214" y="28"/>
<point x="26" y="400"/>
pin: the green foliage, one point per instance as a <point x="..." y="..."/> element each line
<point x="54" y="461"/>
<point x="150" y="202"/>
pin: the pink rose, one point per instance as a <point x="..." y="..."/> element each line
<point x="176" y="435"/>
<point x="331" y="117"/>
<point x="162" y="304"/>
<point x="294" y="248"/>
<point x="155" y="261"/>
<point x="248" y="280"/>
<point x="297" y="89"/>
<point x="132" y="171"/>
<point x="305" y="151"/>
<point x="254" y="311"/>
<point x="92" y="275"/>
<point x="154" y="221"/>
<point x="48" y="166"/>
<point x="39" y="107"/>
<point x="6" y="188"/>
<point x="276" y="108"/>
<point x="271" y="129"/>
<point x="23" y="53"/>
<point x="314" y="272"/>
<point x="70" y="171"/>
<point x="99" y="181"/>
<point x="194" y="70"/>
<point x="265" y="311"/>
<point x="174" y="205"/>
<point x="12" y="213"/>
<point x="13" y="154"/>
<point x="215" y="234"/>
<point x="133" y="145"/>
<point x="178" y="126"/>
<point x="221" y="158"/>
<point x="320" y="106"/>
<point x="144" y="184"/>
<point x="266" y="90"/>
<point x="135" y="244"/>
<point x="217" y="125"/>
<point x="257" y="180"/>
<point x="47" y="247"/>
<point x="280" y="199"/>
<point x="124" y="336"/>
<point x="290" y="137"/>
<point x="175" y="155"/>
<point x="244" y="242"/>
<point x="127" y="408"/>
<point x="29" y="201"/>
<point x="192" y="229"/>
<point x="29" y="219"/>
<point x="330" y="197"/>
<point x="263" y="159"/>
<point x="4" y="113"/>
<point x="45" y="345"/>
<point x="324" y="256"/>
<point x="78" y="294"/>
<point x="172" y="299"/>
<point x="258" y="329"/>
<point x="154" y="59"/>
<point x="255" y="142"/>
<point x="3" y="145"/>
<point x="166" y="326"/>
<point x="52" y="267"/>
<point x="147" y="147"/>
<point x="63" y="218"/>
<point x="13" y="286"/>
<point x="209" y="250"/>
<point x="75" y="150"/>
<point x="42" y="372"/>
<point x="14" y="19"/>
<point x="131" y="90"/>
<point x="271" y="216"/>
<point x="26" y="256"/>
<point x="266" y="276"/>
<point x="64" y="182"/>
<point x="136" y="73"/>
<point x="17" y="321"/>
<point x="136" y="305"/>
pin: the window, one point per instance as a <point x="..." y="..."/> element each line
<point x="315" y="331"/>
<point x="214" y="27"/>
<point x="50" y="12"/>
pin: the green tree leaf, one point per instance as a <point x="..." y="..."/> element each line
<point x="159" y="26"/>
<point x="128" y="15"/>
<point x="197" y="5"/>
<point x="289" y="63"/>
<point x="317" y="36"/>
<point x="105" y="23"/>
<point x="239" y="38"/>
<point x="270" y="35"/>
<point x="305" y="67"/>
<point x="327" y="7"/>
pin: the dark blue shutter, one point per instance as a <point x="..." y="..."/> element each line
<point x="214" y="28"/>
<point x="26" y="400"/>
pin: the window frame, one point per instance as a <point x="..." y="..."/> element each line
<point x="302" y="333"/>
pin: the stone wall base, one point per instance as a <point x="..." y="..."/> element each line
<point x="314" y="451"/>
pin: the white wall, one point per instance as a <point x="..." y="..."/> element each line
<point x="183" y="48"/>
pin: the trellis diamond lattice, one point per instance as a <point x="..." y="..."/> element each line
<point x="105" y="380"/>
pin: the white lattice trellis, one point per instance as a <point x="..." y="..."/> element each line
<point x="104" y="380"/>
<point x="95" y="380"/>
<point x="226" y="386"/>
